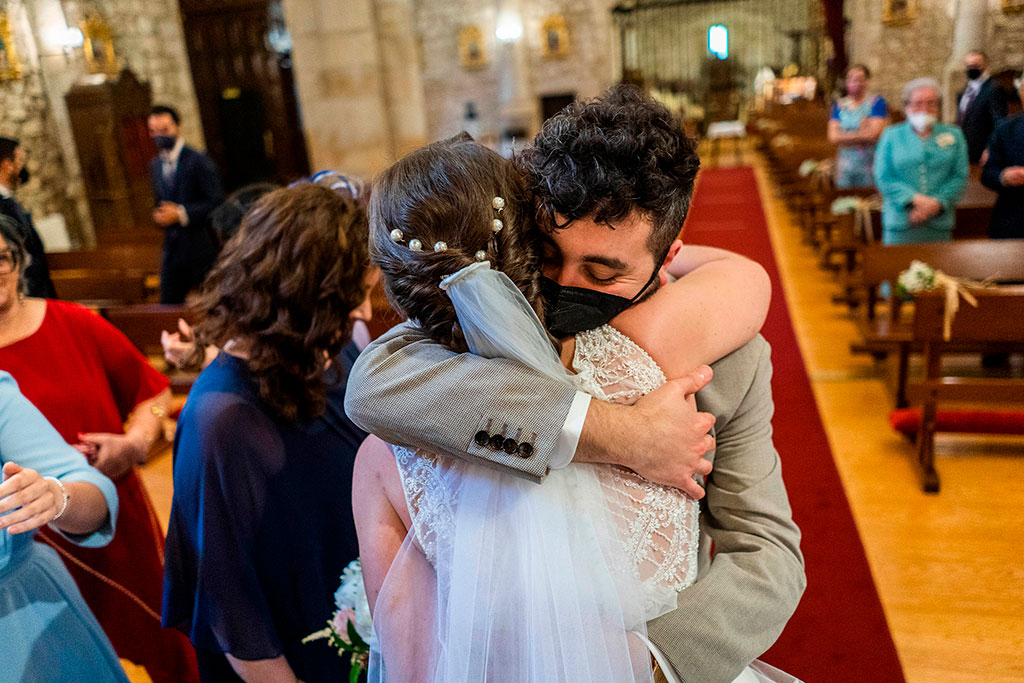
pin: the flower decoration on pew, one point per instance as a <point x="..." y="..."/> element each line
<point x="862" y="208"/>
<point x="350" y="630"/>
<point x="921" y="277"/>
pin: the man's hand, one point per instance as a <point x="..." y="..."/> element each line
<point x="1012" y="176"/>
<point x="661" y="437"/>
<point x="671" y="437"/>
<point x="112" y="454"/>
<point x="166" y="214"/>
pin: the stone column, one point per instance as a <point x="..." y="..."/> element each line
<point x="968" y="34"/>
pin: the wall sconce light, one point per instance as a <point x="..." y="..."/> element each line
<point x="510" y="26"/>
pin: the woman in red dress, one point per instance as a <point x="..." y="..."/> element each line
<point x="87" y="379"/>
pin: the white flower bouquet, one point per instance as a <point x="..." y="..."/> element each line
<point x="350" y="630"/>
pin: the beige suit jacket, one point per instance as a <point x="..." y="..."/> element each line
<point x="413" y="392"/>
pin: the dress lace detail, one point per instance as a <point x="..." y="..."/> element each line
<point x="657" y="525"/>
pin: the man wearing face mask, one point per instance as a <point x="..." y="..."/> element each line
<point x="981" y="105"/>
<point x="920" y="170"/>
<point x="13" y="174"/>
<point x="613" y="178"/>
<point x="187" y="189"/>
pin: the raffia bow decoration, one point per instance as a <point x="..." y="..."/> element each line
<point x="861" y="207"/>
<point x="920" y="277"/>
<point x="819" y="171"/>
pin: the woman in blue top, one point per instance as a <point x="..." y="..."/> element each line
<point x="921" y="170"/>
<point x="856" y="123"/>
<point x="47" y="633"/>
<point x="261" y="522"/>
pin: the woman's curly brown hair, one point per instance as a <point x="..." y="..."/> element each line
<point x="443" y="193"/>
<point x="283" y="288"/>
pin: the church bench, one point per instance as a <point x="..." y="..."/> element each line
<point x="995" y="325"/>
<point x="97" y="288"/>
<point x="143" y="257"/>
<point x="889" y="332"/>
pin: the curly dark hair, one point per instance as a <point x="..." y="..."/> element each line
<point x="608" y="157"/>
<point x="283" y="287"/>
<point x="443" y="193"/>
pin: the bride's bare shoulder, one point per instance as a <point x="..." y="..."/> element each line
<point x="376" y="473"/>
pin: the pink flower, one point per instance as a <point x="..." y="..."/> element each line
<point x="340" y="622"/>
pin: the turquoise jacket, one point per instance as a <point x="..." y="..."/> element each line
<point x="906" y="165"/>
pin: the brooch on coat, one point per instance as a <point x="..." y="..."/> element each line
<point x="945" y="140"/>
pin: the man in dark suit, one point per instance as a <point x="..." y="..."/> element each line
<point x="12" y="175"/>
<point x="981" y="105"/>
<point x="187" y="188"/>
<point x="1004" y="173"/>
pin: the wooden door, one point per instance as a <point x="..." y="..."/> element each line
<point x="245" y="90"/>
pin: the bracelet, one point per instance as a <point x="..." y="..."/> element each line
<point x="159" y="411"/>
<point x="64" y="503"/>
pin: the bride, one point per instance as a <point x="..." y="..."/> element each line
<point x="476" y="575"/>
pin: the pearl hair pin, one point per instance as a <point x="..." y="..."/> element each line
<point x="415" y="245"/>
<point x="440" y="246"/>
<point x="481" y="255"/>
<point x="396" y="235"/>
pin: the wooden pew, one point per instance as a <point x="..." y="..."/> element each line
<point x="100" y="288"/>
<point x="890" y="332"/>
<point x="996" y="325"/>
<point x="141" y="257"/>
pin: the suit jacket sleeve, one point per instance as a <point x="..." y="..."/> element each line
<point x="997" y="158"/>
<point x="205" y="193"/>
<point x="952" y="188"/>
<point x="888" y="179"/>
<point x="739" y="606"/>
<point x="411" y="391"/>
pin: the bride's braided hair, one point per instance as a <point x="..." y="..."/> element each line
<point x="443" y="193"/>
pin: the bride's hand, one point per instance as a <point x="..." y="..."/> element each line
<point x="671" y="437"/>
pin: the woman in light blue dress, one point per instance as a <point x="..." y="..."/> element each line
<point x="921" y="170"/>
<point x="47" y="633"/>
<point x="854" y="126"/>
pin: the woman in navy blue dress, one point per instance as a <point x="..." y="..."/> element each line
<point x="261" y="521"/>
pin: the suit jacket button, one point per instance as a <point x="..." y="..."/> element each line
<point x="497" y="442"/>
<point x="482" y="438"/>
<point x="525" y="450"/>
<point x="510" y="446"/>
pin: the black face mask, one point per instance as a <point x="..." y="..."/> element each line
<point x="164" y="142"/>
<point x="973" y="73"/>
<point x="23" y="176"/>
<point x="569" y="310"/>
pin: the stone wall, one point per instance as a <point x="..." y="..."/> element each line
<point x="147" y="38"/>
<point x="925" y="46"/>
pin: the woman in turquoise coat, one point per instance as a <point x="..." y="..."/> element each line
<point x="47" y="633"/>
<point x="921" y="170"/>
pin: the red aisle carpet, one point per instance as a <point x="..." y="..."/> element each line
<point x="839" y="632"/>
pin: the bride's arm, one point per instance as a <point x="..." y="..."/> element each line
<point x="376" y="498"/>
<point x="717" y="305"/>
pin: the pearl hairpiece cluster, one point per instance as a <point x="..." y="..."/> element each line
<point x="498" y="203"/>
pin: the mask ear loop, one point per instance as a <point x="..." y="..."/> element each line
<point x="657" y="269"/>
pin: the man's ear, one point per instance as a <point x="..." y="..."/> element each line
<point x="673" y="251"/>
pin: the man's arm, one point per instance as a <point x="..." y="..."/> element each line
<point x="210" y="193"/>
<point x="739" y="606"/>
<point x="411" y="391"/>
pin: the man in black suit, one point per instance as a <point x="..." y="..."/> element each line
<point x="12" y="175"/>
<point x="1004" y="173"/>
<point x="981" y="105"/>
<point x="187" y="188"/>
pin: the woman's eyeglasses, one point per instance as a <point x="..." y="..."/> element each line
<point x="8" y="264"/>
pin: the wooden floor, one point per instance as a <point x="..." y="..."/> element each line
<point x="948" y="566"/>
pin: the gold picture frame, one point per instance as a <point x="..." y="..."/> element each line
<point x="1013" y="6"/>
<point x="554" y="37"/>
<point x="98" y="41"/>
<point x="899" y="12"/>
<point x="10" y="67"/>
<point x="472" y="51"/>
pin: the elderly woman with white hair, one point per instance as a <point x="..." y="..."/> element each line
<point x="1004" y="173"/>
<point x="920" y="169"/>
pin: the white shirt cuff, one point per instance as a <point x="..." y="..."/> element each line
<point x="572" y="428"/>
<point x="182" y="216"/>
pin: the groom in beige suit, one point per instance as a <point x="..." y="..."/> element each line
<point x="621" y="154"/>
